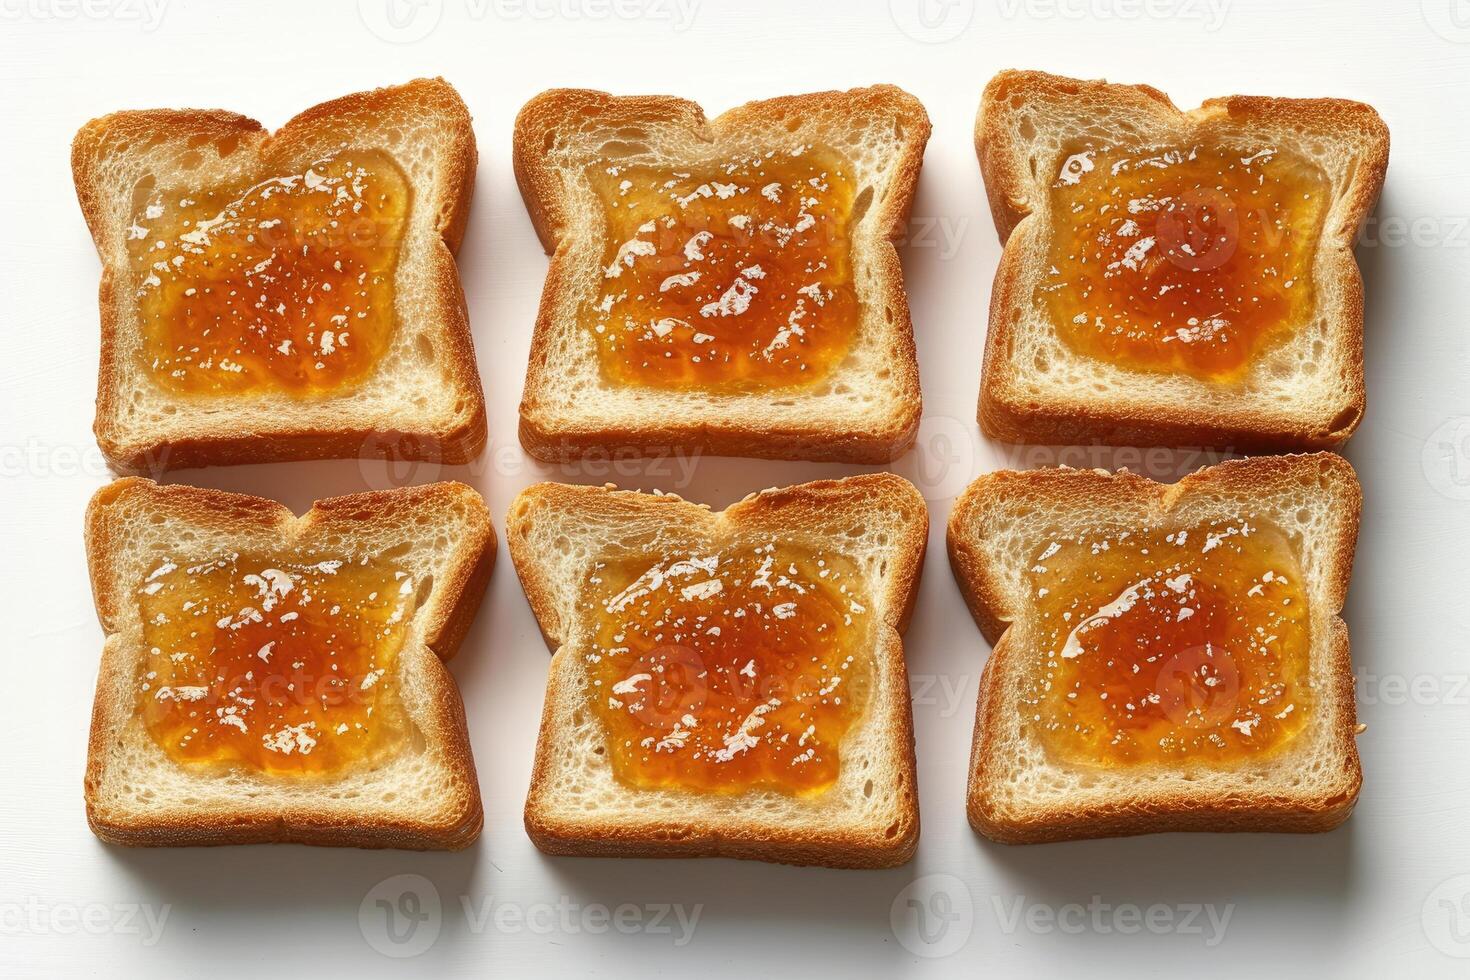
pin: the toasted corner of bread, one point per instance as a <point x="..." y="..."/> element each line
<point x="416" y="788"/>
<point x="1302" y="389"/>
<point x="562" y="537"/>
<point x="1020" y="789"/>
<point x="863" y="408"/>
<point x="420" y="399"/>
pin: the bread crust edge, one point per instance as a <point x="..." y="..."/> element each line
<point x="468" y="574"/>
<point x="878" y="440"/>
<point x="868" y="847"/>
<point x="452" y="442"/>
<point x="1006" y="415"/>
<point x="977" y="576"/>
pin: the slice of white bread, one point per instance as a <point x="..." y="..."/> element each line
<point x="421" y="401"/>
<point x="423" y="795"/>
<point x="868" y="818"/>
<point x="865" y="410"/>
<point x="1018" y="792"/>
<point x="1304" y="392"/>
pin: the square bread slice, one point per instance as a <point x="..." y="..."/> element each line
<point x="1008" y="525"/>
<point x="421" y="400"/>
<point x="1302" y="391"/>
<point x="562" y="538"/>
<point x="417" y="790"/>
<point x="865" y="409"/>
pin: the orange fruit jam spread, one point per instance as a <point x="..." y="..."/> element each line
<point x="729" y="275"/>
<point x="1170" y="645"/>
<point x="277" y="663"/>
<point x="1186" y="258"/>
<point x="282" y="284"/>
<point x="727" y="670"/>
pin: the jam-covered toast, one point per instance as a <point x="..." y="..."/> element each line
<point x="728" y="286"/>
<point x="287" y="295"/>
<point x="725" y="684"/>
<point x="1174" y="278"/>
<point x="273" y="678"/>
<point x="1166" y="657"/>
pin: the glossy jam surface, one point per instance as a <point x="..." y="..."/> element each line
<point x="731" y="669"/>
<point x="1171" y="644"/>
<point x="283" y="284"/>
<point x="278" y="663"/>
<point x="732" y="274"/>
<point x="1185" y="258"/>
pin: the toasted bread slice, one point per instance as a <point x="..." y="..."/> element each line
<point x="561" y="537"/>
<point x="866" y="408"/>
<point x="421" y="400"/>
<point x="1019" y="791"/>
<point x="1303" y="391"/>
<point x="420" y="791"/>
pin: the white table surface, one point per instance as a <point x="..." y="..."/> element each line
<point x="1388" y="890"/>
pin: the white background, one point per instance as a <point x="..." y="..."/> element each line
<point x="1355" y="902"/>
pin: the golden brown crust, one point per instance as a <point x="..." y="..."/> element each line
<point x="980" y="577"/>
<point x="547" y="201"/>
<point x="833" y="848"/>
<point x="799" y="506"/>
<point x="453" y="601"/>
<point x="1008" y="414"/>
<point x="453" y="440"/>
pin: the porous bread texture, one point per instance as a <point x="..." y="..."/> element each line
<point x="866" y="410"/>
<point x="869" y="818"/>
<point x="1305" y="392"/>
<point x="422" y="401"/>
<point x="424" y="796"/>
<point x="1017" y="793"/>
